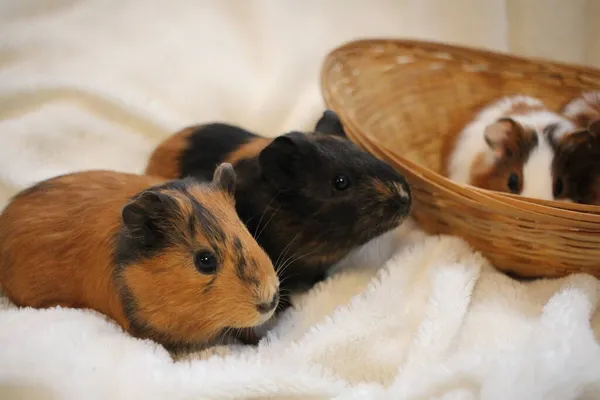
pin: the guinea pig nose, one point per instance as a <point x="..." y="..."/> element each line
<point x="268" y="306"/>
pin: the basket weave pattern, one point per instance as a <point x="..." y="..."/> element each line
<point x="399" y="99"/>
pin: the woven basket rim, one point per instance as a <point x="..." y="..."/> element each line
<point x="578" y="213"/>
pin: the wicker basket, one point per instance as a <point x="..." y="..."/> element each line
<point x="399" y="98"/>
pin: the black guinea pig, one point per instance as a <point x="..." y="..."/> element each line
<point x="308" y="198"/>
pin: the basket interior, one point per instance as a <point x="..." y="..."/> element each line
<point x="410" y="95"/>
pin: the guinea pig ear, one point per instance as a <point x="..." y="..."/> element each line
<point x="583" y="110"/>
<point x="279" y="160"/>
<point x="330" y="124"/>
<point x="225" y="178"/>
<point x="141" y="214"/>
<point x="594" y="128"/>
<point x="502" y="136"/>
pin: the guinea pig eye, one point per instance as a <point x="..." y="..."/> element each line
<point x="205" y="262"/>
<point x="513" y="183"/>
<point x="558" y="187"/>
<point x="341" y="182"/>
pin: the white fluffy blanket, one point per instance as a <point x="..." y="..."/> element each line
<point x="97" y="83"/>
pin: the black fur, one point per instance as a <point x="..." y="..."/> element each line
<point x="205" y="150"/>
<point x="242" y="264"/>
<point x="577" y="164"/>
<point x="330" y="124"/>
<point x="286" y="198"/>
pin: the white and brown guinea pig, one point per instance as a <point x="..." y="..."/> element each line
<point x="577" y="161"/>
<point x="308" y="197"/>
<point x="506" y="148"/>
<point x="167" y="260"/>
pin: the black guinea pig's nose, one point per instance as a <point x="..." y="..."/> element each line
<point x="268" y="306"/>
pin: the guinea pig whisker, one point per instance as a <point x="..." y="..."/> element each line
<point x="267" y="223"/>
<point x="285" y="250"/>
<point x="292" y="260"/>
<point x="263" y="213"/>
<point x="224" y="336"/>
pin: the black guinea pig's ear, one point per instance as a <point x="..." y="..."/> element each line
<point x="224" y="178"/>
<point x="594" y="129"/>
<point x="330" y="124"/>
<point x="142" y="214"/>
<point x="279" y="160"/>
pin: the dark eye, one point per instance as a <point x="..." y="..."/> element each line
<point x="341" y="182"/>
<point x="558" y="187"/>
<point x="513" y="183"/>
<point x="205" y="262"/>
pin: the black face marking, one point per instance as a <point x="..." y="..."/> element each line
<point x="242" y="265"/>
<point x="161" y="226"/>
<point x="208" y="146"/>
<point x="210" y="227"/>
<point x="148" y="229"/>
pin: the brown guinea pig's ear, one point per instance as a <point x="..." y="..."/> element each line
<point x="142" y="214"/>
<point x="278" y="161"/>
<point x="225" y="178"/>
<point x="330" y="124"/>
<point x="503" y="136"/>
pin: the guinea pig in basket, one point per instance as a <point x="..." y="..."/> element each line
<point x="577" y="161"/>
<point x="169" y="261"/>
<point x="508" y="147"/>
<point x="309" y="198"/>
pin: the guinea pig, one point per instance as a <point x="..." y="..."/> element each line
<point x="309" y="198"/>
<point x="506" y="148"/>
<point x="577" y="161"/>
<point x="576" y="166"/>
<point x="167" y="260"/>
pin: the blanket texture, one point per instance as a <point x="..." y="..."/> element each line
<point x="97" y="83"/>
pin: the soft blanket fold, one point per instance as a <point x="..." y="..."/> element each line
<point x="435" y="322"/>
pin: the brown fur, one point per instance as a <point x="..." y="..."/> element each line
<point x="480" y="164"/>
<point x="248" y="150"/>
<point x="57" y="247"/>
<point x="164" y="160"/>
<point x="511" y="144"/>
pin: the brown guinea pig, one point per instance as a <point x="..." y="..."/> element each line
<point x="506" y="148"/>
<point x="169" y="261"/>
<point x="309" y="198"/>
<point x="576" y="165"/>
